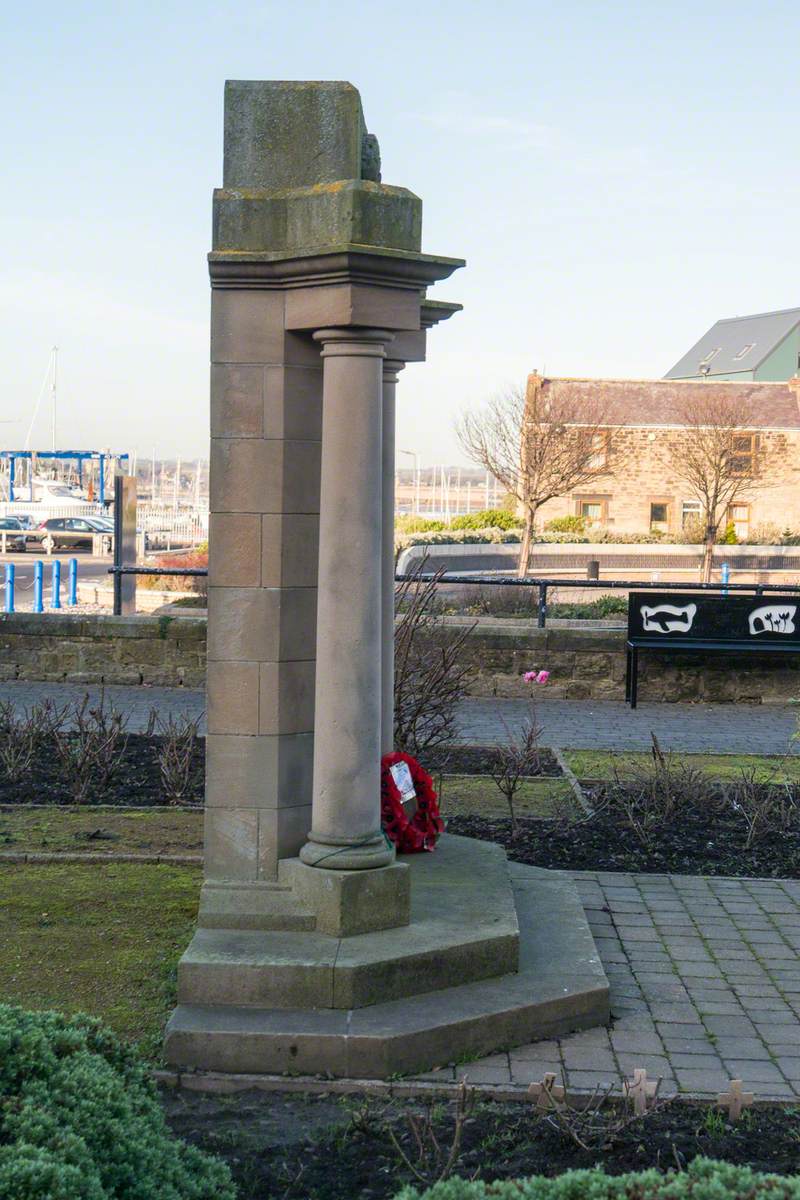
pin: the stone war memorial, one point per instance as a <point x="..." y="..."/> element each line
<point x="317" y="950"/>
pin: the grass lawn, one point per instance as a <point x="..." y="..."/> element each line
<point x="102" y="939"/>
<point x="101" y="830"/>
<point x="601" y="764"/>
<point x="464" y="795"/>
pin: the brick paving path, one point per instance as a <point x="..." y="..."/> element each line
<point x="572" y="724"/>
<point x="705" y="987"/>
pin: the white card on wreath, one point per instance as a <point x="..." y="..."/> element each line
<point x="403" y="781"/>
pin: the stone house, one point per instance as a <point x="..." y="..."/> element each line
<point x="640" y="491"/>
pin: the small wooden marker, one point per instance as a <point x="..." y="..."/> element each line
<point x="640" y="1089"/>
<point x="735" y="1099"/>
<point x="547" y="1093"/>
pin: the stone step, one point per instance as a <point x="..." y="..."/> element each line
<point x="252" y="905"/>
<point x="463" y="928"/>
<point x="560" y="987"/>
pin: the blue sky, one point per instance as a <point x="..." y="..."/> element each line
<point x="618" y="176"/>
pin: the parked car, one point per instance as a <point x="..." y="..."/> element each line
<point x="15" y="534"/>
<point x="65" y="533"/>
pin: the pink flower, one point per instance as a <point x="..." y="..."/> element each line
<point x="530" y="676"/>
<point x="543" y="677"/>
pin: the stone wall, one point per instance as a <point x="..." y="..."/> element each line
<point x="590" y="664"/>
<point x="585" y="663"/>
<point x="170" y="651"/>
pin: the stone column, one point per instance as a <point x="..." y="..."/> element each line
<point x="345" y="817"/>
<point x="391" y="369"/>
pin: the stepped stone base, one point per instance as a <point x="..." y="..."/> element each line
<point x="496" y="955"/>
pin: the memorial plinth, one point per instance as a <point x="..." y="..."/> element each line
<point x="310" y="933"/>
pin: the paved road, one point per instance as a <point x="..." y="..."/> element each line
<point x="572" y="724"/>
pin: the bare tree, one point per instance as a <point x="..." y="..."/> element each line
<point x="715" y="455"/>
<point x="431" y="669"/>
<point x="540" y="443"/>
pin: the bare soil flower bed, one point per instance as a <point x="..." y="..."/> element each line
<point x="321" y="1148"/>
<point x="697" y="841"/>
<point x="479" y="760"/>
<point x="136" y="779"/>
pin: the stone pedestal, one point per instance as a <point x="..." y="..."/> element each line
<point x="316" y="951"/>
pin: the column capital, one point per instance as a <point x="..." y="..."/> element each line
<point x="391" y="369"/>
<point x="353" y="343"/>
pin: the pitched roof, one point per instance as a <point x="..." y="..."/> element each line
<point x="725" y="342"/>
<point x="660" y="402"/>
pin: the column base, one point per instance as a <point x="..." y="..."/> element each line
<point x="347" y="903"/>
<point x="359" y="856"/>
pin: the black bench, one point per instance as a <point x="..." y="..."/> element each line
<point x="686" y="621"/>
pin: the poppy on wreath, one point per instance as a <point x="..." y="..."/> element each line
<point x="410" y="835"/>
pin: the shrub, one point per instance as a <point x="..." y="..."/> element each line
<point x="178" y="583"/>
<point x="80" y="1119"/>
<point x="573" y="524"/>
<point x="704" y="1179"/>
<point x="488" y="518"/>
<point x="430" y="675"/>
<point x="408" y="523"/>
<point x="729" y="537"/>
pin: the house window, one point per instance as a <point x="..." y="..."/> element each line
<point x="691" y="510"/>
<point x="743" y="454"/>
<point x="745" y="350"/>
<point x="659" y="516"/>
<point x="593" y="509"/>
<point x="600" y="443"/>
<point x="708" y="357"/>
<point x="739" y="514"/>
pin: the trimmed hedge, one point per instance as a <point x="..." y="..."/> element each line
<point x="80" y="1119"/>
<point x="704" y="1179"/>
<point x="487" y="518"/>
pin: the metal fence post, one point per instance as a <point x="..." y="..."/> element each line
<point x="72" y="593"/>
<point x="542" y="618"/>
<point x="38" y="571"/>
<point x="117" y="545"/>
<point x="56" y="589"/>
<point x="9" y="587"/>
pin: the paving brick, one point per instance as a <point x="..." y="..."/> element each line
<point x="701" y="1081"/>
<point x="696" y="1062"/>
<point x="751" y="1071"/>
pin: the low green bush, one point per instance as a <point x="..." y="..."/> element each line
<point x="408" y="523"/>
<point x="573" y="524"/>
<point x="80" y="1119"/>
<point x="704" y="1179"/>
<point x="488" y="518"/>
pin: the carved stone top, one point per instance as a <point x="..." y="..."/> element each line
<point x="370" y="158"/>
<point x="293" y="134"/>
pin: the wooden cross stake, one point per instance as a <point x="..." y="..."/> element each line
<point x="641" y="1090"/>
<point x="547" y="1093"/>
<point x="735" y="1099"/>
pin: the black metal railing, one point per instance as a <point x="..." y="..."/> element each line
<point x="118" y="571"/>
<point x="630" y="585"/>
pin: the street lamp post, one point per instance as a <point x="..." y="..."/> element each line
<point x="413" y="454"/>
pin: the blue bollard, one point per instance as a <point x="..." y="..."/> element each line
<point x="10" y="571"/>
<point x="72" y="594"/>
<point x="37" y="587"/>
<point x="56" y="590"/>
<point x="726" y="578"/>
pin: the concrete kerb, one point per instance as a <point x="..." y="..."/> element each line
<point x="221" y="1083"/>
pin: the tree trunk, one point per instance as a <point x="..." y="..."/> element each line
<point x="708" y="554"/>
<point x="525" y="548"/>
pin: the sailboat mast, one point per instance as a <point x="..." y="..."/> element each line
<point x="53" y="391"/>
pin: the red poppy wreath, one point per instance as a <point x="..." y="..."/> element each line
<point x="419" y="832"/>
